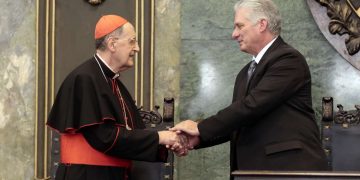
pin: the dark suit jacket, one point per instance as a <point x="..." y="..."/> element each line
<point x="270" y="122"/>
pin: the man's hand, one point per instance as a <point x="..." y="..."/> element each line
<point x="167" y="137"/>
<point x="174" y="141"/>
<point x="188" y="126"/>
<point x="192" y="141"/>
<point x="181" y="138"/>
<point x="189" y="130"/>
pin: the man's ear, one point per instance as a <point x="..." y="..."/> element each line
<point x="111" y="45"/>
<point x="263" y="24"/>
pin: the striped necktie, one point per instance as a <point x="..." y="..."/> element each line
<point x="251" y="70"/>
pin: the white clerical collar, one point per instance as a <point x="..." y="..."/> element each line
<point x="263" y="51"/>
<point x="116" y="74"/>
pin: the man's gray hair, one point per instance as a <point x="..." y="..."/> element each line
<point x="262" y="9"/>
<point x="100" y="44"/>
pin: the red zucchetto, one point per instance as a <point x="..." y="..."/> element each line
<point x="108" y="24"/>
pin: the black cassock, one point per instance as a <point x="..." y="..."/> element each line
<point x="93" y="102"/>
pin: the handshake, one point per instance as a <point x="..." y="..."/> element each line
<point x="181" y="138"/>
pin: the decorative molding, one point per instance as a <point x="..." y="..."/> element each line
<point x="95" y="2"/>
<point x="151" y="117"/>
<point x="45" y="37"/>
<point x="136" y="76"/>
<point x="152" y="34"/>
<point x="345" y="19"/>
<point x="142" y="50"/>
<point x="347" y="117"/>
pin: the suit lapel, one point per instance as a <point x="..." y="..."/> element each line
<point x="260" y="68"/>
<point x="240" y="84"/>
<point x="241" y="88"/>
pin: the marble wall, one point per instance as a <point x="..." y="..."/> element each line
<point x="167" y="51"/>
<point x="17" y="93"/>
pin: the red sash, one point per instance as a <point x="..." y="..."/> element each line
<point x="76" y="150"/>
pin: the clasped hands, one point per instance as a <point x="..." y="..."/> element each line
<point x="183" y="137"/>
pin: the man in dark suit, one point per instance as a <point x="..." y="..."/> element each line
<point x="270" y="122"/>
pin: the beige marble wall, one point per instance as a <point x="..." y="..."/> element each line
<point x="167" y="50"/>
<point x="167" y="54"/>
<point x="17" y="92"/>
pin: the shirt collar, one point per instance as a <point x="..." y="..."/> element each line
<point x="108" y="71"/>
<point x="263" y="51"/>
